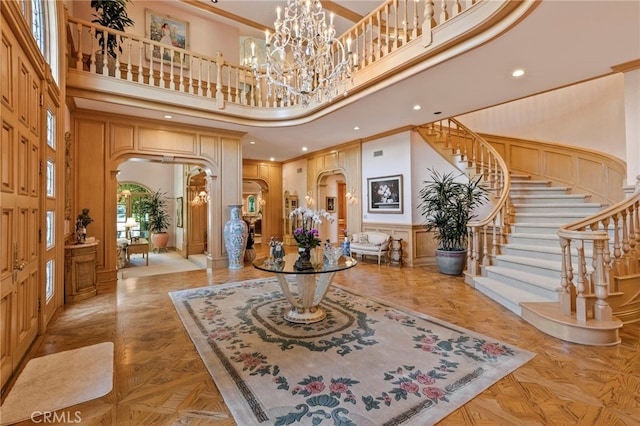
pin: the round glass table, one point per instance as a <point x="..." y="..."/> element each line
<point x="309" y="287"/>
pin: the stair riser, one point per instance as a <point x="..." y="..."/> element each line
<point x="579" y="210"/>
<point x="531" y="228"/>
<point x="528" y="199"/>
<point x="551" y="273"/>
<point x="561" y="218"/>
<point x="509" y="304"/>
<point x="532" y="241"/>
<point x="514" y="282"/>
<point x="537" y="191"/>
<point x="531" y="254"/>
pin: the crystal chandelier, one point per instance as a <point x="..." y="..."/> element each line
<point x="303" y="57"/>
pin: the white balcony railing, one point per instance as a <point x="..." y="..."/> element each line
<point x="395" y="25"/>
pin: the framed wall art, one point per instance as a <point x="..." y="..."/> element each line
<point x="170" y="31"/>
<point x="385" y="194"/>
<point x="331" y="204"/>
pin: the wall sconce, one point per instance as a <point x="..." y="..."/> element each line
<point x="200" y="198"/>
<point x="351" y="196"/>
<point x="309" y="199"/>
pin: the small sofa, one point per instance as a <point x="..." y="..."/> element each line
<point x="370" y="243"/>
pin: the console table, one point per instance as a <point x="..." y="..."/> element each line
<point x="309" y="287"/>
<point x="80" y="278"/>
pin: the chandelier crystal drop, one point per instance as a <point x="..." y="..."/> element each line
<point x="303" y="57"/>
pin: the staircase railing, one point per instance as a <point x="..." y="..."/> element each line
<point x="595" y="274"/>
<point x="389" y="28"/>
<point x="485" y="235"/>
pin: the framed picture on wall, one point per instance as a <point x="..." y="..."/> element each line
<point x="170" y="31"/>
<point x="385" y="194"/>
<point x="331" y="204"/>
<point x="179" y="212"/>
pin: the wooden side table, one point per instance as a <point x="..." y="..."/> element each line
<point x="80" y="277"/>
<point x="395" y="251"/>
<point x="140" y="246"/>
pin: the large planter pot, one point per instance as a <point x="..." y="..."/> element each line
<point x="451" y="262"/>
<point x="159" y="240"/>
<point x="235" y="237"/>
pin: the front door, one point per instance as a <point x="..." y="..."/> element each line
<point x="20" y="199"/>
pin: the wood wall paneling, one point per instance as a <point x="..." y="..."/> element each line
<point x="6" y="72"/>
<point x="7" y="159"/>
<point x="90" y="176"/>
<point x="558" y="166"/>
<point x="525" y="159"/>
<point x="590" y="174"/>
<point x="122" y="137"/>
<point x="209" y="148"/>
<point x="23" y="166"/>
<point x="23" y="87"/>
<point x="170" y="142"/>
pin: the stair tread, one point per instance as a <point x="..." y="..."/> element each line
<point x="527" y="277"/>
<point x="508" y="292"/>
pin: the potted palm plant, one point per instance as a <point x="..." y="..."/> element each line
<point x="448" y="204"/>
<point x="110" y="14"/>
<point x="159" y="219"/>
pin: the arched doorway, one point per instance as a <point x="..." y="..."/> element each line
<point x="196" y="220"/>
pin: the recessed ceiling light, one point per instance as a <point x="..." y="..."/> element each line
<point x="272" y="159"/>
<point x="356" y="128"/>
<point x="417" y="107"/>
<point x="304" y="148"/>
<point x="168" y="116"/>
<point x="518" y="73"/>
<point x="252" y="142"/>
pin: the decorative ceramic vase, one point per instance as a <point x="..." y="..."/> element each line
<point x="346" y="247"/>
<point x="235" y="237"/>
<point x="303" y="263"/>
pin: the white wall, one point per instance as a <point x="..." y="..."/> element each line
<point x="156" y="177"/>
<point x="294" y="180"/>
<point x="590" y="115"/>
<point x="395" y="160"/>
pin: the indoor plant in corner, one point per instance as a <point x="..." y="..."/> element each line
<point x="448" y="203"/>
<point x="110" y="14"/>
<point x="159" y="219"/>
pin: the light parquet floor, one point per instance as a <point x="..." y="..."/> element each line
<point x="161" y="380"/>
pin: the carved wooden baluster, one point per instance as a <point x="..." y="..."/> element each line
<point x="129" y="61"/>
<point x="601" y="310"/>
<point x="444" y="15"/>
<point x="617" y="253"/>
<point x="428" y="23"/>
<point x="581" y="298"/>
<point x="79" y="55"/>
<point x="566" y="277"/>
<point x="92" y="57"/>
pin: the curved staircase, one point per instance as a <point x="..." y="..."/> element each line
<point x="525" y="262"/>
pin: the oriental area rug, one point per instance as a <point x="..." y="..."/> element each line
<point x="367" y="363"/>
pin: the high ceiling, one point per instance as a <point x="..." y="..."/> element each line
<point x="558" y="44"/>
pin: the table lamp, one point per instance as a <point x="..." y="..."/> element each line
<point x="130" y="223"/>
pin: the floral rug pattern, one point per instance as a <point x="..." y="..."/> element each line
<point x="367" y="363"/>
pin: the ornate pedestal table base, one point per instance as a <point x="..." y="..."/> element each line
<point x="308" y="288"/>
<point x="305" y="299"/>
